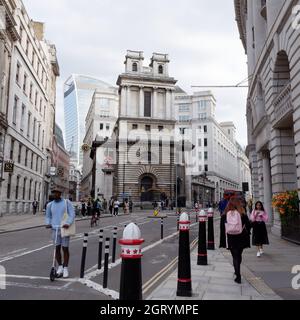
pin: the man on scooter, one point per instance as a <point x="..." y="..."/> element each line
<point x="54" y="215"/>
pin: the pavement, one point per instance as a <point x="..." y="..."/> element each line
<point x="266" y="278"/>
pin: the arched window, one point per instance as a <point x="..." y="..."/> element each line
<point x="134" y="67"/>
<point x="160" y="69"/>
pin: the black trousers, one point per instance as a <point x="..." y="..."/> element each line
<point x="237" y="260"/>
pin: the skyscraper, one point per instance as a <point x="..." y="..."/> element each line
<point x="78" y="93"/>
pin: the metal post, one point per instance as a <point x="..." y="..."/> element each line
<point x="100" y="249"/>
<point x="115" y="233"/>
<point x="83" y="257"/>
<point x="106" y="257"/>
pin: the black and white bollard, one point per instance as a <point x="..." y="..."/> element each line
<point x="115" y="234"/>
<point x="83" y="257"/>
<point x="202" y="249"/>
<point x="211" y="235"/>
<point x="184" y="284"/>
<point x="161" y="228"/>
<point x="106" y="258"/>
<point x="100" y="249"/>
<point x="131" y="269"/>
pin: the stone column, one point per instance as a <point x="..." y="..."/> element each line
<point x="123" y="101"/>
<point x="172" y="108"/>
<point x="128" y="108"/>
<point x="141" y="114"/>
<point x="168" y="104"/>
<point x="154" y="105"/>
<point x="267" y="184"/>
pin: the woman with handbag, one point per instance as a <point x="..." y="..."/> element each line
<point x="60" y="215"/>
<point x="259" y="217"/>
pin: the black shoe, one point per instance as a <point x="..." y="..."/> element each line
<point x="238" y="280"/>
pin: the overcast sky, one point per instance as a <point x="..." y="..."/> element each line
<point x="200" y="36"/>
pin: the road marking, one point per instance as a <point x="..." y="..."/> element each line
<point x="33" y="286"/>
<point x="72" y="280"/>
<point x="93" y="285"/>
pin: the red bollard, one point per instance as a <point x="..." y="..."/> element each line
<point x="131" y="270"/>
<point x="184" y="284"/>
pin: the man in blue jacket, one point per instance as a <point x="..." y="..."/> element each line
<point x="54" y="215"/>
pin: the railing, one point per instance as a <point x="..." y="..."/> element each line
<point x="283" y="104"/>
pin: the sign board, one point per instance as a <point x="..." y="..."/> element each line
<point x="8" y="166"/>
<point x="52" y="171"/>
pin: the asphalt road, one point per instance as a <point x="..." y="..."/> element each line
<point x="27" y="258"/>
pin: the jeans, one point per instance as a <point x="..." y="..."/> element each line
<point x="237" y="260"/>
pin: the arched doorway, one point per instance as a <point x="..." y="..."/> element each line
<point x="147" y="184"/>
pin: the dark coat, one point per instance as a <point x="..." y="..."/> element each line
<point x="235" y="241"/>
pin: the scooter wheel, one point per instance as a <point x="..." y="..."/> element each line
<point x="52" y="275"/>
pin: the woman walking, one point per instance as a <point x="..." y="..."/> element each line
<point x="259" y="217"/>
<point x="237" y="233"/>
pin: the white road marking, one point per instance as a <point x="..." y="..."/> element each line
<point x="72" y="280"/>
<point x="93" y="285"/>
<point x="33" y="286"/>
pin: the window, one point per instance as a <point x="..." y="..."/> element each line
<point x="202" y="116"/>
<point x="25" y="83"/>
<point x="15" y="109"/>
<point x="200" y="168"/>
<point x="205" y="142"/>
<point x="33" y="58"/>
<point x="8" y="187"/>
<point x="41" y="166"/>
<point x="160" y="69"/>
<point x="43" y="138"/>
<point x="30" y="91"/>
<point x="147" y="104"/>
<point x="17" y="187"/>
<point x="200" y="143"/>
<point x="36" y="98"/>
<point x="160" y="128"/>
<point x="23" y="118"/>
<point x="182" y="131"/>
<point x="205" y="129"/>
<point x="20" y="153"/>
<point x="34" y="194"/>
<point x="107" y="126"/>
<point x="34" y="130"/>
<point x="21" y="32"/>
<point x="31" y="165"/>
<point x="18" y="73"/>
<point x="37" y="164"/>
<point x="206" y="168"/>
<point x="44" y="112"/>
<point x="184" y="108"/>
<point x="184" y="118"/>
<point x="134" y="127"/>
<point x="200" y="156"/>
<point x="41" y="104"/>
<point x="24" y="188"/>
<point x="28" y="124"/>
<point x="205" y="155"/>
<point x="27" y="47"/>
<point x="148" y="128"/>
<point x="26" y="158"/>
<point x="29" y="190"/>
<point x="39" y="135"/>
<point x="12" y="147"/>
<point x="134" y="67"/>
<point x="101" y="126"/>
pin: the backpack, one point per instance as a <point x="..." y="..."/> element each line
<point x="234" y="224"/>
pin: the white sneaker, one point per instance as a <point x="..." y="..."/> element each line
<point x="60" y="271"/>
<point x="258" y="254"/>
<point x="66" y="272"/>
<point x="261" y="251"/>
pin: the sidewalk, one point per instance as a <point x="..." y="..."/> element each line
<point x="215" y="282"/>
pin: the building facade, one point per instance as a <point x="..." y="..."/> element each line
<point x="100" y="123"/>
<point x="61" y="162"/>
<point x="78" y="94"/>
<point x="270" y="33"/>
<point x="145" y="169"/>
<point x="216" y="154"/>
<point x="30" y="106"/>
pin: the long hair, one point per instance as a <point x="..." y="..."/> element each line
<point x="262" y="206"/>
<point x="235" y="204"/>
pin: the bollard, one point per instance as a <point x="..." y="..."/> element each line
<point x="210" y="236"/>
<point x="202" y="249"/>
<point x="83" y="257"/>
<point x="131" y="269"/>
<point x="161" y="228"/>
<point x="177" y="221"/>
<point x="100" y="249"/>
<point x="115" y="234"/>
<point x="184" y="284"/>
<point x="106" y="257"/>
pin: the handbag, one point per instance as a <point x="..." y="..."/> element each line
<point x="71" y="231"/>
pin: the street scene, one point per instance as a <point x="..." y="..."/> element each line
<point x="148" y="154"/>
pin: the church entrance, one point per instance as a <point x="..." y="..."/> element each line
<point x="147" y="184"/>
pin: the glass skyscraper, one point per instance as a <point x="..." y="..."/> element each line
<point x="78" y="94"/>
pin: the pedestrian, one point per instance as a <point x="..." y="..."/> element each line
<point x="130" y="206"/>
<point x="259" y="217"/>
<point x="237" y="233"/>
<point x="126" y="206"/>
<point x="222" y="205"/>
<point x="89" y="208"/>
<point x="116" y="205"/>
<point x="83" y="208"/>
<point x="105" y="205"/>
<point x="54" y="216"/>
<point x="35" y="205"/>
<point x="250" y="205"/>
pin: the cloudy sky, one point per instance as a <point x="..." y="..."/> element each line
<point x="200" y="36"/>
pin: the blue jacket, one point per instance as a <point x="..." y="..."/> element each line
<point x="55" y="212"/>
